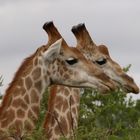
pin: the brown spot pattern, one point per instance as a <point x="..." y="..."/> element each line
<point x="19" y="91"/>
<point x="36" y="73"/>
<point x="17" y="103"/>
<point x="32" y="117"/>
<point x="35" y="61"/>
<point x="38" y="85"/>
<point x="57" y="130"/>
<point x="48" y="73"/>
<point x="28" y="82"/>
<point x="26" y="98"/>
<point x="72" y="100"/>
<point x="35" y="109"/>
<point x="66" y="92"/>
<point x="66" y="76"/>
<point x="34" y="97"/>
<point x="59" y="102"/>
<point x="9" y="117"/>
<point x="63" y="124"/>
<point x="20" y="113"/>
<point x="73" y="110"/>
<point x="65" y="105"/>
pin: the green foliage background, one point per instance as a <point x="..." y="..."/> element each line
<point x="108" y="117"/>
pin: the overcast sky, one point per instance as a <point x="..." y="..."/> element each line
<point x="115" y="23"/>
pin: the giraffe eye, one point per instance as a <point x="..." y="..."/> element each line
<point x="101" y="61"/>
<point x="71" y="61"/>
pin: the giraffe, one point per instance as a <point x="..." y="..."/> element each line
<point x="54" y="63"/>
<point x="62" y="116"/>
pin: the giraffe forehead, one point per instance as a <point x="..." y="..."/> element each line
<point x="92" y="54"/>
<point x="100" y="52"/>
<point x="73" y="53"/>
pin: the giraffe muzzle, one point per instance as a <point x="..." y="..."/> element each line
<point x="133" y="89"/>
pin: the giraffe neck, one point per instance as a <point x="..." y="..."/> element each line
<point x="62" y="116"/>
<point x="21" y="104"/>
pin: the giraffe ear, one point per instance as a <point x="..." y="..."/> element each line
<point x="53" y="51"/>
<point x="104" y="49"/>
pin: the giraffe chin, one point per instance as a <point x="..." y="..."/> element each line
<point x="101" y="87"/>
<point x="104" y="89"/>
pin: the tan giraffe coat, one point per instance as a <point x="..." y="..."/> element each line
<point x="48" y="65"/>
<point x="62" y="116"/>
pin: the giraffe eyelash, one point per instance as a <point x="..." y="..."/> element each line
<point x="71" y="61"/>
<point x="101" y="61"/>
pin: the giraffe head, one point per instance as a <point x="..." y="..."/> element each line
<point x="100" y="56"/>
<point x="70" y="67"/>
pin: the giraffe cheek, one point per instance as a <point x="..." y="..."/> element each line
<point x="66" y="76"/>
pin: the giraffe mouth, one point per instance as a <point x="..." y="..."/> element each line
<point x="108" y="86"/>
<point x="127" y="88"/>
